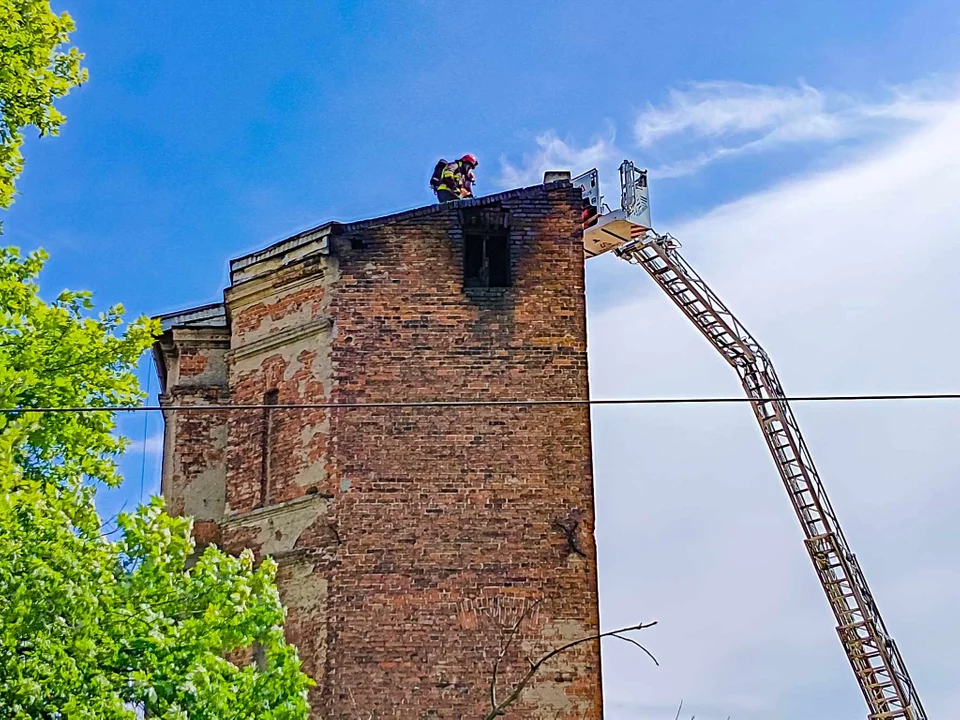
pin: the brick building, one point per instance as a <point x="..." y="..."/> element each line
<point x="408" y="538"/>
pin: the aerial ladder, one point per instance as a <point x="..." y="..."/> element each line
<point x="874" y="657"/>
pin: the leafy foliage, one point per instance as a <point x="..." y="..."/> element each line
<point x="101" y="627"/>
<point x="53" y="356"/>
<point x="94" y="627"/>
<point x="34" y="72"/>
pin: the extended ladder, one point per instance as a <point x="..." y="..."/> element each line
<point x="873" y="654"/>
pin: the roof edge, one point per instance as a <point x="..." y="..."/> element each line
<point x="281" y="246"/>
<point x="335" y="228"/>
<point x="437" y="207"/>
<point x="210" y="315"/>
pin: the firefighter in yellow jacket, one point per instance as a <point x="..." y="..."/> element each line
<point x="456" y="179"/>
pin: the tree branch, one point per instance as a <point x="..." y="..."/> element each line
<point x="499" y="710"/>
<point x="634" y="642"/>
<point x="513" y="632"/>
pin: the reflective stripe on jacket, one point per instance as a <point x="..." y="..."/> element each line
<point x="457" y="179"/>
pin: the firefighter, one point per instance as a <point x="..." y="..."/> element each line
<point x="456" y="179"/>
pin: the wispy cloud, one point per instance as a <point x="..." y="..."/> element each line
<point x="706" y="122"/>
<point x="152" y="445"/>
<point x="554" y="153"/>
<point x="848" y="277"/>
<point x="717" y="109"/>
<point x="709" y="122"/>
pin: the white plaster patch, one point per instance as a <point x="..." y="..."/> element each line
<point x="304" y="590"/>
<point x="312" y="474"/>
<point x="551" y="699"/>
<point x="205" y="496"/>
<point x="280" y="526"/>
<point x="309" y="432"/>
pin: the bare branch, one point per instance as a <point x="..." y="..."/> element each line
<point x="511" y="634"/>
<point x="499" y="710"/>
<point x="634" y="642"/>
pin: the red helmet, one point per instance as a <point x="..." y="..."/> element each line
<point x="468" y="158"/>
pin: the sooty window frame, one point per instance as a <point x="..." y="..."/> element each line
<point x="486" y="249"/>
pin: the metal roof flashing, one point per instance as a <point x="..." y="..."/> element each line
<point x="213" y="315"/>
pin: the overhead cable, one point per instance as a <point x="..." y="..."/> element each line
<point x="481" y="403"/>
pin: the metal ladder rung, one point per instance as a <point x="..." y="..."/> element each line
<point x="701" y="318"/>
<point x="854" y="626"/>
<point x="869" y="679"/>
<point x="838" y="585"/>
<point x="870" y="655"/>
<point x="834" y="565"/>
<point x="876" y="685"/>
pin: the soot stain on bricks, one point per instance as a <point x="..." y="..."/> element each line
<point x="406" y="538"/>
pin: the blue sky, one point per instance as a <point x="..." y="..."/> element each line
<point x="776" y="135"/>
<point x="208" y="129"/>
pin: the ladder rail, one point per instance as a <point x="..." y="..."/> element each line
<point x="873" y="655"/>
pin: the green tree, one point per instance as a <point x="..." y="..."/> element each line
<point x="34" y="72"/>
<point x="98" y="624"/>
<point x="94" y="626"/>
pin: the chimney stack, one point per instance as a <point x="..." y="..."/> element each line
<point x="554" y="175"/>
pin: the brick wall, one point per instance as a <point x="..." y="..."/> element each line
<point x="410" y="538"/>
<point x="194" y="474"/>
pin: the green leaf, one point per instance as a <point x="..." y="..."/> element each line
<point x="96" y="625"/>
<point x="35" y="71"/>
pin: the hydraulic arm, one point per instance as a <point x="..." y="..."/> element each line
<point x="873" y="654"/>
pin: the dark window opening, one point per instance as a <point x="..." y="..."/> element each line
<point x="486" y="260"/>
<point x="269" y="398"/>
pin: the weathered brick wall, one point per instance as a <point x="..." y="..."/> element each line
<point x="280" y="339"/>
<point x="409" y="538"/>
<point x="194" y="475"/>
<point x="443" y="511"/>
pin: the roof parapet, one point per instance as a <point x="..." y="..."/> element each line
<point x="212" y="315"/>
<point x="313" y="240"/>
<point x="317" y="239"/>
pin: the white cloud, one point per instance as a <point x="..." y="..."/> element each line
<point x="714" y="109"/>
<point x="555" y="154"/>
<point x="710" y="121"/>
<point x="848" y="277"/>
<point x="152" y="445"/>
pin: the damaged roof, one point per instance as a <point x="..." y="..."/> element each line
<point x="214" y="314"/>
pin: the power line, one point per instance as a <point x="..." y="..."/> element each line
<point x="484" y="403"/>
